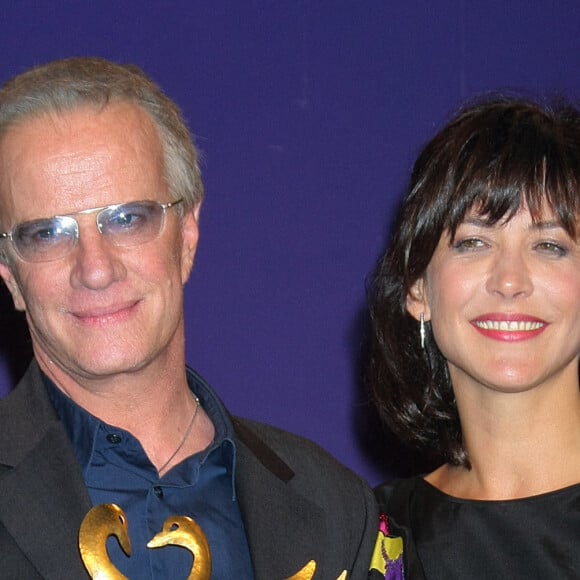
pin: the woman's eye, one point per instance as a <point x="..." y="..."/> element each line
<point x="551" y="248"/>
<point x="468" y="244"/>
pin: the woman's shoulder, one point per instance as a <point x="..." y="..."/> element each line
<point x="396" y="492"/>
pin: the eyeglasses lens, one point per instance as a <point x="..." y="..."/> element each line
<point x="45" y="240"/>
<point x="131" y="224"/>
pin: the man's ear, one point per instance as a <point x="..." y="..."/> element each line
<point x="10" y="281"/>
<point x="190" y="237"/>
<point x="417" y="302"/>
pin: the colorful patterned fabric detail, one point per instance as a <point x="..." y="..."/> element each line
<point x="387" y="557"/>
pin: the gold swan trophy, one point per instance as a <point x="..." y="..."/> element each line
<point x="109" y="519"/>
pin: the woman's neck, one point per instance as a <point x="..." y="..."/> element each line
<point x="519" y="444"/>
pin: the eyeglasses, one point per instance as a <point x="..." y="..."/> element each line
<point x="124" y="225"/>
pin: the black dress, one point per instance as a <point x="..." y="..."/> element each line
<point x="445" y="537"/>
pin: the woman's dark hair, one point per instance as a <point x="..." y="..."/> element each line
<point x="494" y="157"/>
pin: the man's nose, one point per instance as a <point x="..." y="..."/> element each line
<point x="96" y="263"/>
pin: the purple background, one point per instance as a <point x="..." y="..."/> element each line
<point x="309" y="115"/>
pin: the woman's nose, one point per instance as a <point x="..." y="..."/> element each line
<point x="510" y="276"/>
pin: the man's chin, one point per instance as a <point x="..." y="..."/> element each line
<point x="95" y="367"/>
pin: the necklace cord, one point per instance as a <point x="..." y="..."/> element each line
<point x="184" y="438"/>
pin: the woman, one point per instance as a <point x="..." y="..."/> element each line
<point x="476" y="341"/>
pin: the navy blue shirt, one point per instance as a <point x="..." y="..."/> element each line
<point x="117" y="470"/>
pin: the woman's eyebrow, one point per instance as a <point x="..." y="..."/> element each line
<point x="546" y="225"/>
<point x="480" y="222"/>
<point x="476" y="221"/>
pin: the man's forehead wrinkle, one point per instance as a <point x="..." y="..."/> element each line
<point x="75" y="170"/>
<point x="83" y="166"/>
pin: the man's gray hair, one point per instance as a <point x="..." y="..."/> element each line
<point x="65" y="85"/>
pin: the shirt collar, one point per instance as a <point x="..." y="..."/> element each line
<point x="82" y="427"/>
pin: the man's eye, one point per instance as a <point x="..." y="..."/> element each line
<point x="130" y="219"/>
<point x="124" y="219"/>
<point x="41" y="234"/>
<point x="47" y="234"/>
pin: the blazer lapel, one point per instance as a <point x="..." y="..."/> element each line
<point x="281" y="524"/>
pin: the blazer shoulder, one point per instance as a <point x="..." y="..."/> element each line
<point x="311" y="471"/>
<point x="298" y="453"/>
<point x="317" y="488"/>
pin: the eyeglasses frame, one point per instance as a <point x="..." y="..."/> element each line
<point x="9" y="234"/>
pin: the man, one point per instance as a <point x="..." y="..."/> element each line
<point x="108" y="411"/>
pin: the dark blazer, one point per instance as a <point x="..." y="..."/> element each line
<point x="297" y="502"/>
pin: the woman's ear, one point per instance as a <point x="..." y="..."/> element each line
<point x="417" y="302"/>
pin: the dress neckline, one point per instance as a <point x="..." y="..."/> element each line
<point x="434" y="491"/>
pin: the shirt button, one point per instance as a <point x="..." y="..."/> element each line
<point x="115" y="439"/>
<point x="158" y="491"/>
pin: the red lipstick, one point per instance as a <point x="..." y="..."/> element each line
<point x="509" y="327"/>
